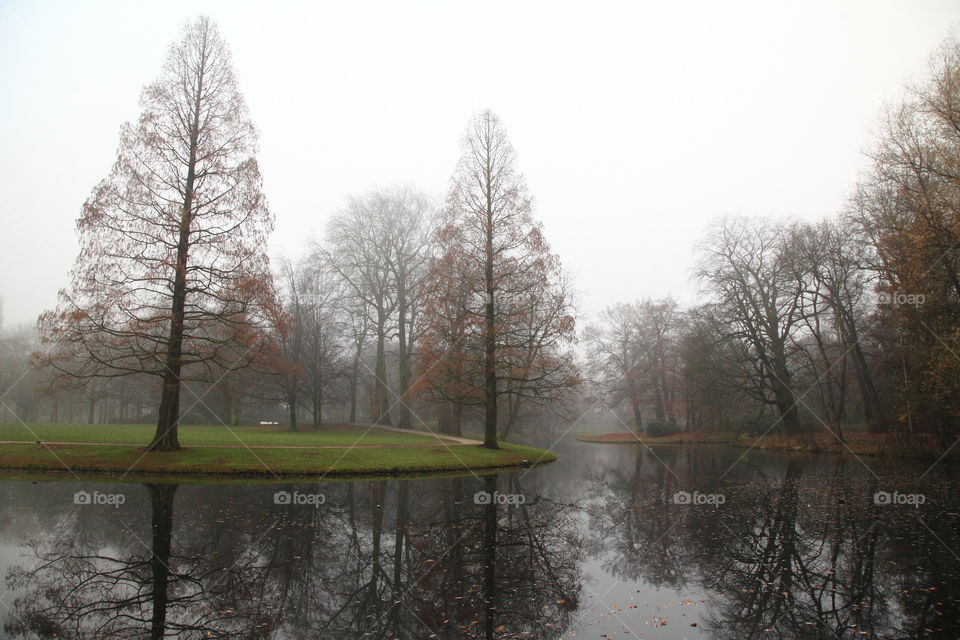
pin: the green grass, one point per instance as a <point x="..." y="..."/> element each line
<point x="115" y="459"/>
<point x="121" y="459"/>
<point x="210" y="434"/>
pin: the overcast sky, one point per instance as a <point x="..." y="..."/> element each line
<point x="635" y="123"/>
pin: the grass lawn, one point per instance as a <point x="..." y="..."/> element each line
<point x="392" y="455"/>
<point x="211" y="434"/>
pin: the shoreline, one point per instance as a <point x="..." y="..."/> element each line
<point x="121" y="461"/>
<point x="877" y="445"/>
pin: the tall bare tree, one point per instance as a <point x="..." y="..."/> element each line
<point x="508" y="280"/>
<point x="614" y="356"/>
<point x="324" y="342"/>
<point x="289" y="337"/>
<point x="410" y="230"/>
<point x="758" y="299"/>
<point x="172" y="278"/>
<point x="832" y="260"/>
<point x="359" y="250"/>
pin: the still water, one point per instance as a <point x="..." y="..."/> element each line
<point x="608" y="542"/>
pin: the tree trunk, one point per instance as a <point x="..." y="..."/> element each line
<point x="872" y="410"/>
<point x="513" y="410"/>
<point x="404" y="357"/>
<point x="637" y="416"/>
<point x="490" y="340"/>
<point x="628" y="375"/>
<point x="165" y="438"/>
<point x="448" y="417"/>
<point x="659" y="405"/>
<point x="783" y="395"/>
<point x="399" y="536"/>
<point x="354" y="382"/>
<point x="381" y="390"/>
<point x="376" y="570"/>
<point x="787" y="407"/>
<point x="292" y="405"/>
<point x="490" y="557"/>
<point x="161" y="503"/>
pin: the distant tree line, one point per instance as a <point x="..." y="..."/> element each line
<point x="853" y="320"/>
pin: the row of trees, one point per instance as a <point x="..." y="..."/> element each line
<point x="461" y="307"/>
<point x="466" y="301"/>
<point x="853" y="319"/>
<point x="172" y="282"/>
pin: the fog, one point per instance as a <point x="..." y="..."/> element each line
<point x="635" y="125"/>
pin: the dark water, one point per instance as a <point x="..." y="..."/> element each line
<point x="767" y="546"/>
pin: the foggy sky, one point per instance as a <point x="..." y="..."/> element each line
<point x="635" y="123"/>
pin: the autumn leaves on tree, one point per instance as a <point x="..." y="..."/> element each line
<point x="172" y="278"/>
<point x="498" y="315"/>
<point x="173" y="281"/>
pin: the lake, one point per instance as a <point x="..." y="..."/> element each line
<point x="609" y="542"/>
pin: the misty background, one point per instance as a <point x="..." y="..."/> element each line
<point x="635" y="124"/>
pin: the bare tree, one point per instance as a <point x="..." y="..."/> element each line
<point x="614" y="356"/>
<point x="171" y="278"/>
<point x="758" y="304"/>
<point x="634" y="355"/>
<point x="832" y="260"/>
<point x="358" y="323"/>
<point x="359" y="250"/>
<point x="411" y="228"/>
<point x="323" y="342"/>
<point x="493" y="254"/>
<point x="288" y="366"/>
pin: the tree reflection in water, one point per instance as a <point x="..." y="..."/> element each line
<point x="797" y="550"/>
<point x="374" y="560"/>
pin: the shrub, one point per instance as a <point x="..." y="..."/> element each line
<point x="657" y="429"/>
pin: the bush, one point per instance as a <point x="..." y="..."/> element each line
<point x="657" y="429"/>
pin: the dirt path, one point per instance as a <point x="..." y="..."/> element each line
<point x="456" y="439"/>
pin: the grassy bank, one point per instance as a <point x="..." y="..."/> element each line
<point x="217" y="452"/>
<point x="214" y="435"/>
